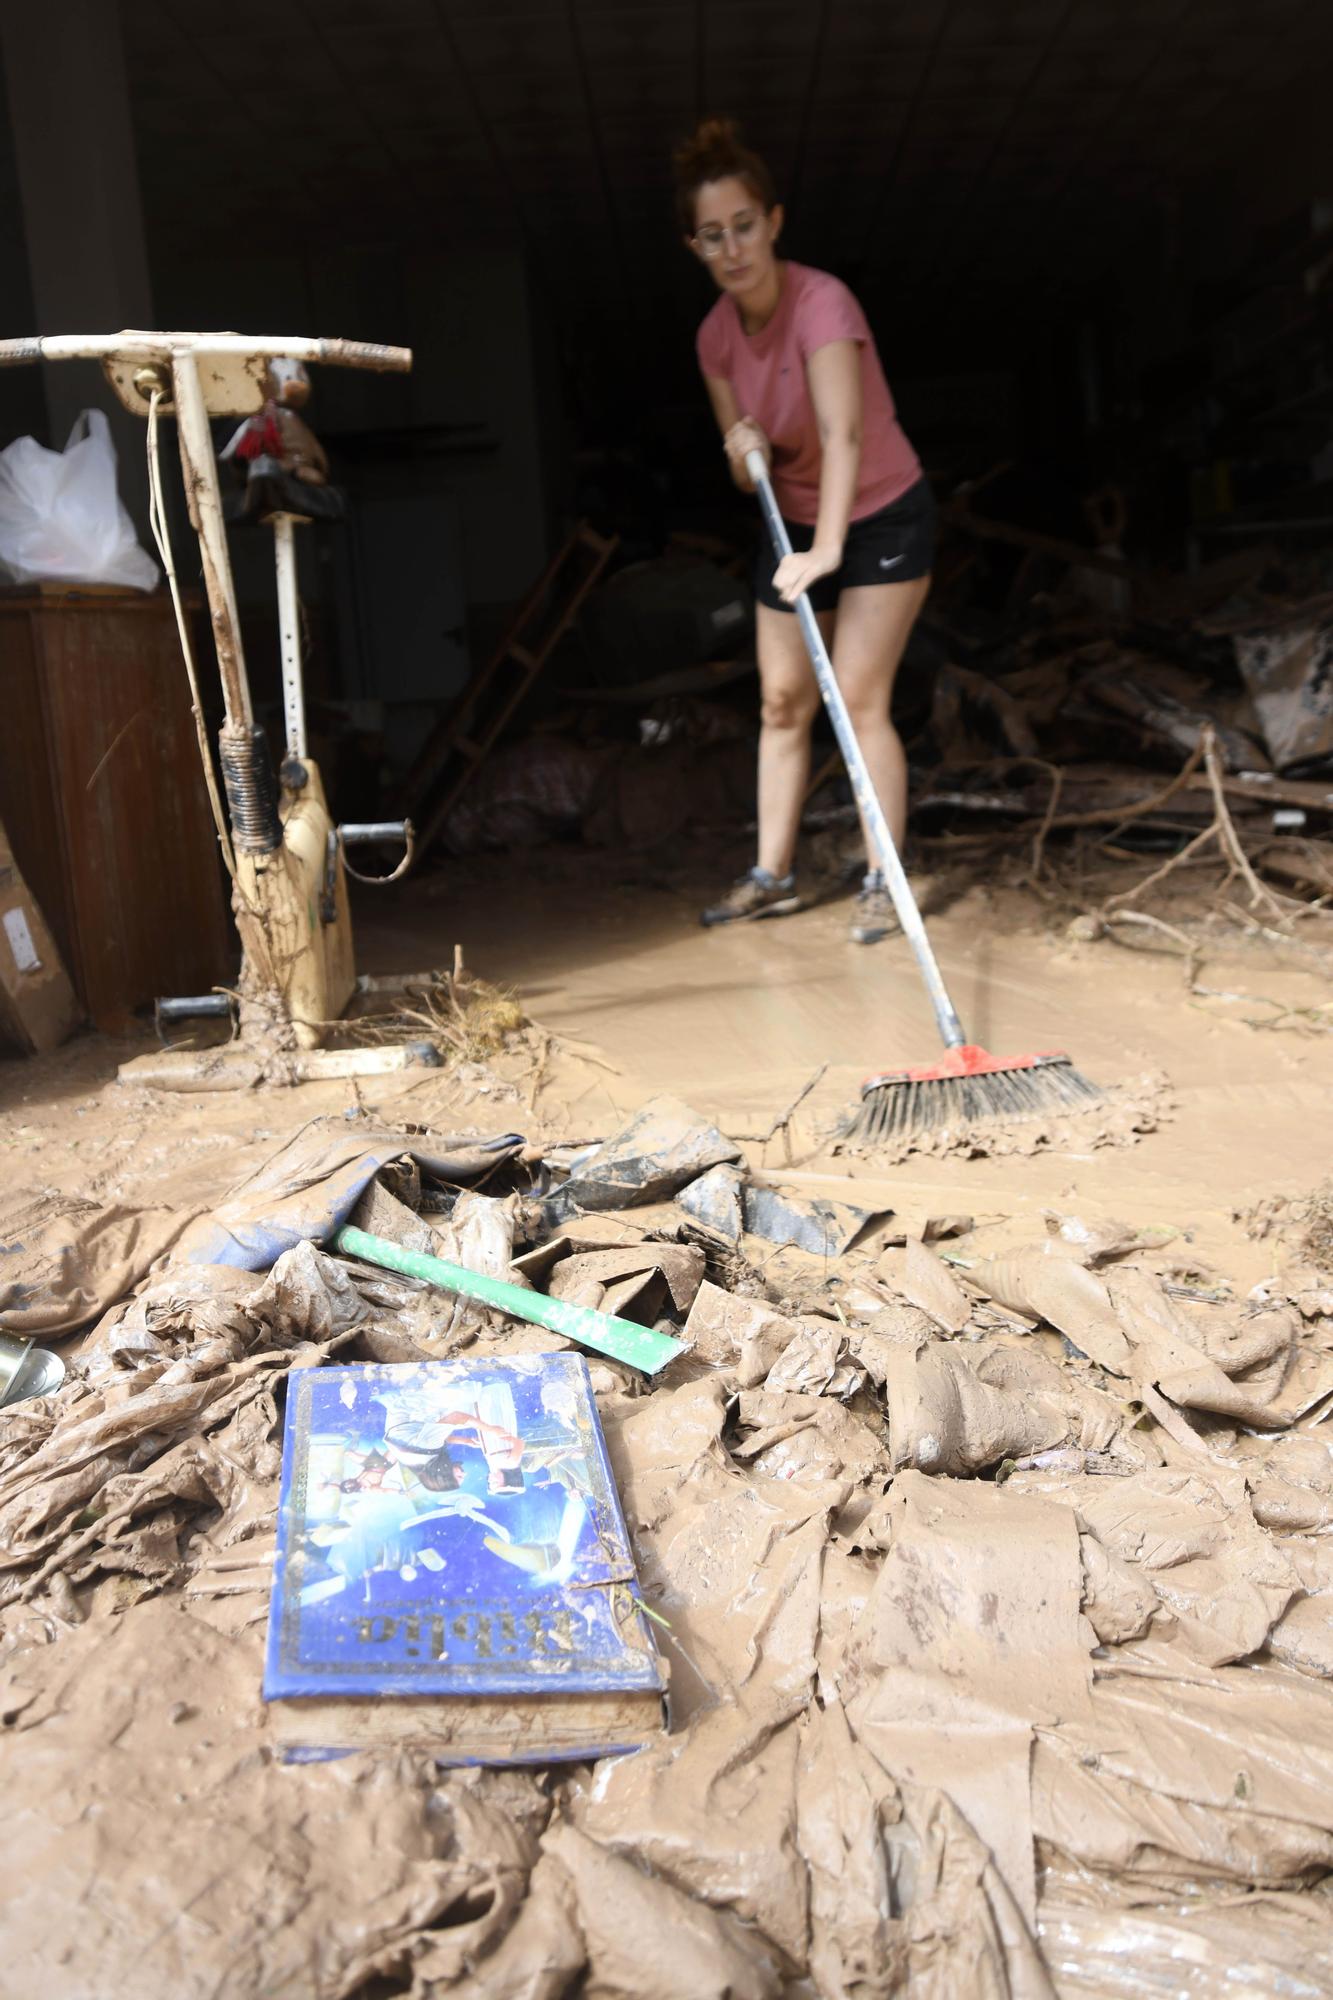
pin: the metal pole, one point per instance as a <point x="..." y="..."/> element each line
<point x="247" y="771"/>
<point x="134" y="345"/>
<point x="289" y="633"/>
<point x="205" y="500"/>
<point x="950" y="1027"/>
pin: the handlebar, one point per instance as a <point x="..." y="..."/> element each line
<point x="150" y="347"/>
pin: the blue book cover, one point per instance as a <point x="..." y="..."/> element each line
<point x="452" y="1528"/>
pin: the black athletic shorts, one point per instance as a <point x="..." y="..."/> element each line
<point x="897" y="545"/>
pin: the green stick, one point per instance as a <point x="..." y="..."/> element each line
<point x="641" y="1346"/>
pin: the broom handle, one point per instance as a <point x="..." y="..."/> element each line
<point x="947" y="1021"/>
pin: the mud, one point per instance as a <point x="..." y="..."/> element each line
<point x="992" y="1556"/>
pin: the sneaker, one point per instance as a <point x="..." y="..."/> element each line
<point x="874" y="916"/>
<point x="757" y="894"/>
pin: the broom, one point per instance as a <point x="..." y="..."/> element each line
<point x="967" y="1086"/>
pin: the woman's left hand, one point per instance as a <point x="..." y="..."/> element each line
<point x="796" y="573"/>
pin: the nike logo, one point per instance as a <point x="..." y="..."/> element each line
<point x="887" y="562"/>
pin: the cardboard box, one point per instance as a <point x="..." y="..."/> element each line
<point x="38" y="1010"/>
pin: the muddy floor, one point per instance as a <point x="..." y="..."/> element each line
<point x="1091" y="1753"/>
<point x="739" y="1021"/>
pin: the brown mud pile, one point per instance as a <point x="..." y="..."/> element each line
<point x="995" y="1555"/>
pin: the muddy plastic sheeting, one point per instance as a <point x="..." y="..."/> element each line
<point x="728" y="1206"/>
<point x="664" y="1146"/>
<point x="65" y="1261"/>
<point x="995" y="1595"/>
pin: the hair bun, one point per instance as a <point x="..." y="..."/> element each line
<point x="715" y="151"/>
<point x="710" y="151"/>
<point x="718" y="132"/>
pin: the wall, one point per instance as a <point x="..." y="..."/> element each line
<point x="23" y="410"/>
<point x="75" y="175"/>
<point x="450" y="529"/>
<point x="471" y="326"/>
<point x="467" y="318"/>
<point x="22" y="403"/>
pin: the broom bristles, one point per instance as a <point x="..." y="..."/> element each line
<point x="967" y="1088"/>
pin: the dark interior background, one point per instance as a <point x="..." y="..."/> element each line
<point x="1088" y="234"/>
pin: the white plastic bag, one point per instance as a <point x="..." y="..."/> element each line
<point x="61" y="518"/>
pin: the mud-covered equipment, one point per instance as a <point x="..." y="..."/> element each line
<point x="282" y="847"/>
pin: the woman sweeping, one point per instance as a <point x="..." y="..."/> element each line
<point x="791" y="370"/>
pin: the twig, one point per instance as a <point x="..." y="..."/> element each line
<point x="1057" y="777"/>
<point x="781" y="1124"/>
<point x="1039" y="838"/>
<point x="1053" y="821"/>
<point x="1229" y="839"/>
<point x="539" y="1077"/>
<point x="1192" y="949"/>
<point x="1251" y="924"/>
<point x="1282" y="1015"/>
<point x="784" y="1118"/>
<point x="572" y="1049"/>
<point x="1160" y="874"/>
<point x="1121" y="815"/>
<point x="1222" y="832"/>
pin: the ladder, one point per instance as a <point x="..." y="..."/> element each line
<point x="464" y="738"/>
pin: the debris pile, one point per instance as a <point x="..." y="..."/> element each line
<point x="994" y="1581"/>
<point x="1071" y="735"/>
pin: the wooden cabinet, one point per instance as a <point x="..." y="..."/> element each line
<point x="103" y="796"/>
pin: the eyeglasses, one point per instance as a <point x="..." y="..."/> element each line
<point x="710" y="241"/>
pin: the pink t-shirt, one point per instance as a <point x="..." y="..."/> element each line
<point x="767" y="371"/>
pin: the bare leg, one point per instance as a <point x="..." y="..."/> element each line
<point x="790" y="696"/>
<point x="874" y="624"/>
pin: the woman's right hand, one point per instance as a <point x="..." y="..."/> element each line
<point x="744" y="437"/>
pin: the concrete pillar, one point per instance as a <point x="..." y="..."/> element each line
<point x="83" y="220"/>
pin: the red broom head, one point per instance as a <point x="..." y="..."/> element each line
<point x="966" y="1061"/>
<point x="966" y="1087"/>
